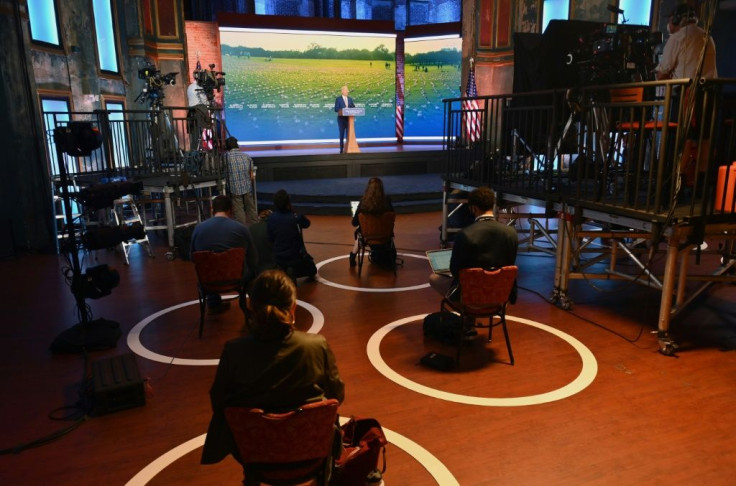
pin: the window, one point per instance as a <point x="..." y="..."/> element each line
<point x="636" y="12"/>
<point x="118" y="130"/>
<point x="105" y="29"/>
<point x="43" y="22"/>
<point x="55" y="112"/>
<point x="554" y="10"/>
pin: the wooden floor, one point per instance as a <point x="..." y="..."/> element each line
<point x="589" y="401"/>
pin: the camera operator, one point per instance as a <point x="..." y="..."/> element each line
<point x="681" y="59"/>
<point x="195" y="94"/>
<point x="198" y="116"/>
<point x="681" y="54"/>
<point x="201" y="99"/>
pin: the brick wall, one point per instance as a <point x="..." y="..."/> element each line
<point x="203" y="41"/>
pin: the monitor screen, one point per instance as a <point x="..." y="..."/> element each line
<point x="282" y="84"/>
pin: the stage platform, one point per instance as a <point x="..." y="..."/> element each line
<point x="320" y="180"/>
<point x="325" y="162"/>
<point x="409" y="193"/>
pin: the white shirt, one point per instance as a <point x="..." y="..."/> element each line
<point x="681" y="54"/>
<point x="195" y="95"/>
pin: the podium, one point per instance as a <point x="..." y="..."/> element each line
<point x="351" y="146"/>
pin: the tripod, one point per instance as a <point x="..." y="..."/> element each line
<point x="597" y="126"/>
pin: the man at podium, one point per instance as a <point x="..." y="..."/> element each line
<point x="343" y="101"/>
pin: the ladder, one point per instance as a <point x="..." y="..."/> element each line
<point x="126" y="216"/>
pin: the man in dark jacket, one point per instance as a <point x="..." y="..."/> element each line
<point x="486" y="243"/>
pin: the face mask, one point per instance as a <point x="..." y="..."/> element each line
<point x="669" y="28"/>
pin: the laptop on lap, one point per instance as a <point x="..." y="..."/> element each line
<point x="439" y="260"/>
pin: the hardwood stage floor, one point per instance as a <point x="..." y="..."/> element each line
<point x="590" y="401"/>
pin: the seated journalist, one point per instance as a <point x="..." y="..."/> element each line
<point x="275" y="367"/>
<point x="219" y="233"/>
<point x="486" y="243"/>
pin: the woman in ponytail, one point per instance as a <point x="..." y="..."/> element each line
<point x="275" y="367"/>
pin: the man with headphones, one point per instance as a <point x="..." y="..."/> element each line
<point x="681" y="53"/>
<point x="681" y="59"/>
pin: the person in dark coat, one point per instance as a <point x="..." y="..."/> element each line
<point x="285" y="234"/>
<point x="486" y="243"/>
<point x="375" y="202"/>
<point x="276" y="367"/>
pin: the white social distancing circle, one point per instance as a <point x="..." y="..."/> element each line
<point x="320" y="279"/>
<point x="135" y="344"/>
<point x="434" y="467"/>
<point x="585" y="378"/>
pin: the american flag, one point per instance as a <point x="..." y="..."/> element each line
<point x="472" y="119"/>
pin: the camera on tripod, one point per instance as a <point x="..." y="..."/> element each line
<point x="155" y="82"/>
<point x="615" y="54"/>
<point x="209" y="81"/>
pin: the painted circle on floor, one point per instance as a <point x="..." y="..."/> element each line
<point x="433" y="466"/>
<point x="585" y="378"/>
<point x="320" y="279"/>
<point x="135" y="344"/>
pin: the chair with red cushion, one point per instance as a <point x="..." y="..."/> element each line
<point x="285" y="448"/>
<point x="376" y="230"/>
<point x="218" y="272"/>
<point x="483" y="294"/>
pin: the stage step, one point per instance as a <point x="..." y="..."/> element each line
<point x="409" y="193"/>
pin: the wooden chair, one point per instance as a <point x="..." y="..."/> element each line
<point x="285" y="448"/>
<point x="483" y="293"/>
<point x="218" y="272"/>
<point x="376" y="230"/>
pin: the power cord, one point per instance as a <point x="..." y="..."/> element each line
<point x="80" y="412"/>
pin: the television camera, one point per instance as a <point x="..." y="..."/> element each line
<point x="153" y="91"/>
<point x="209" y="81"/>
<point x="615" y="54"/>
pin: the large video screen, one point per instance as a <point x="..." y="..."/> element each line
<point x="281" y="85"/>
<point x="432" y="69"/>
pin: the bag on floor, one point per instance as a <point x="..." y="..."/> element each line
<point x="364" y="443"/>
<point x="443" y="327"/>
<point x="383" y="255"/>
<point x="183" y="240"/>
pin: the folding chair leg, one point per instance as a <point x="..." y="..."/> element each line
<point x="508" y="341"/>
<point x="361" y="256"/>
<point x="202" y="305"/>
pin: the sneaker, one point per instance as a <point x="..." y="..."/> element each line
<point x="353" y="262"/>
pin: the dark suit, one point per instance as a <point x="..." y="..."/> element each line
<point x="275" y="375"/>
<point x="486" y="244"/>
<point x="342" y="121"/>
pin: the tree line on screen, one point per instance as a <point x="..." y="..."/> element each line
<point x="447" y="56"/>
<point x="313" y="51"/>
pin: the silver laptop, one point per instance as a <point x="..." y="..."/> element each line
<point x="439" y="260"/>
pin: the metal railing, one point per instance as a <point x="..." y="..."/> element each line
<point x="644" y="156"/>
<point x="137" y="143"/>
